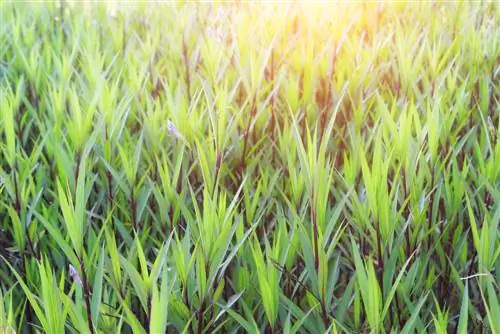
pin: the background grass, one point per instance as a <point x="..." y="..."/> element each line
<point x="250" y="167"/>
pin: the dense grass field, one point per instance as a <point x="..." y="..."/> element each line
<point x="237" y="167"/>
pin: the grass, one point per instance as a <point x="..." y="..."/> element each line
<point x="275" y="168"/>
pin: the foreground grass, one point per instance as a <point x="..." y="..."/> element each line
<point x="276" y="168"/>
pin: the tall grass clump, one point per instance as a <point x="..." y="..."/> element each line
<point x="239" y="167"/>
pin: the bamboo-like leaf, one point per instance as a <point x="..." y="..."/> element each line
<point x="464" y="314"/>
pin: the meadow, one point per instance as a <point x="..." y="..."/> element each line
<point x="238" y="167"/>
